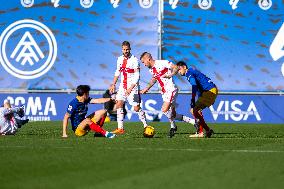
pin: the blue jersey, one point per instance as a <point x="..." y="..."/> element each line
<point x="78" y="111"/>
<point x="200" y="80"/>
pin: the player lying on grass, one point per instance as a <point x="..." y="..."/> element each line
<point x="207" y="91"/>
<point x="77" y="110"/>
<point x="11" y="119"/>
<point x="162" y="71"/>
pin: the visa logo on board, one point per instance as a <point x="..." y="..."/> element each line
<point x="235" y="110"/>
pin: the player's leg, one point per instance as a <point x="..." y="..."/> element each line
<point x="120" y="98"/>
<point x="181" y="117"/>
<point x="206" y="100"/>
<point x="168" y="109"/>
<point x="87" y="124"/>
<point x="168" y="112"/>
<point x="98" y="117"/>
<point x="197" y="110"/>
<point x="120" y="117"/>
<point x="199" y="127"/>
<point x="134" y="100"/>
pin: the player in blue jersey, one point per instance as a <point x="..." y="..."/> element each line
<point x="207" y="93"/>
<point x="77" y="111"/>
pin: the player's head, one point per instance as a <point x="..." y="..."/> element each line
<point x="126" y="48"/>
<point x="83" y="91"/>
<point x="146" y="59"/>
<point x="182" y="67"/>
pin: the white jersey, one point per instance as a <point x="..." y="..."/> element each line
<point x="8" y="123"/>
<point x="127" y="68"/>
<point x="161" y="68"/>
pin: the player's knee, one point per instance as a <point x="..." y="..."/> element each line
<point x="174" y="114"/>
<point x="105" y="113"/>
<point x="102" y="112"/>
<point x="136" y="108"/>
<point x="165" y="109"/>
<point x="196" y="112"/>
<point x="88" y="121"/>
<point x="119" y="104"/>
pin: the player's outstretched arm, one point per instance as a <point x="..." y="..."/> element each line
<point x="174" y="69"/>
<point x="64" y="125"/>
<point x="112" y="86"/>
<point x="150" y="84"/>
<point x="99" y="100"/>
<point x="136" y="78"/>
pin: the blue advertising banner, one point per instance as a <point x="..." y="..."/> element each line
<point x="227" y="108"/>
<point x="59" y="44"/>
<point x="238" y="44"/>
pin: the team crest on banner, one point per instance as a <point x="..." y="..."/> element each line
<point x="28" y="49"/>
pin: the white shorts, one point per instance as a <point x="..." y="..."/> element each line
<point x="170" y="96"/>
<point x="133" y="98"/>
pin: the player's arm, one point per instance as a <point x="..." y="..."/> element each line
<point x="112" y="86"/>
<point x="150" y="84"/>
<point x="65" y="124"/>
<point x="99" y="100"/>
<point x="136" y="78"/>
<point x="115" y="78"/>
<point x="194" y="91"/>
<point x="174" y="69"/>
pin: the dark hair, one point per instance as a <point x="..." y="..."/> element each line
<point x="143" y="54"/>
<point x="182" y="63"/>
<point x="125" y="43"/>
<point x="82" y="89"/>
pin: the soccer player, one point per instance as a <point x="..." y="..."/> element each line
<point x="129" y="69"/>
<point x="77" y="110"/>
<point x="162" y="71"/>
<point x="11" y="119"/>
<point x="208" y="92"/>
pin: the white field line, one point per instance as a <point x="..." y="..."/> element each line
<point x="152" y="149"/>
<point x="196" y="150"/>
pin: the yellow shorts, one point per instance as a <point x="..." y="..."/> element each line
<point x="92" y="117"/>
<point x="80" y="132"/>
<point x="206" y="99"/>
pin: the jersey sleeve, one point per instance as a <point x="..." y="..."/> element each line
<point x="168" y="64"/>
<point x="136" y="64"/>
<point x="117" y="71"/>
<point x="71" y="108"/>
<point x="192" y="81"/>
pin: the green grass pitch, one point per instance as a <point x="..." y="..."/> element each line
<point x="238" y="156"/>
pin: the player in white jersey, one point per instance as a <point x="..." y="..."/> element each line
<point x="129" y="70"/>
<point x="162" y="71"/>
<point x="11" y="119"/>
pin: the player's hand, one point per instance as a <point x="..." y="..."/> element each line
<point x="191" y="111"/>
<point x="144" y="91"/>
<point x="113" y="96"/>
<point x="128" y="91"/>
<point x="168" y="76"/>
<point x="112" y="88"/>
<point x="64" y="135"/>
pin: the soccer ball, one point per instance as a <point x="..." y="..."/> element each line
<point x="149" y="132"/>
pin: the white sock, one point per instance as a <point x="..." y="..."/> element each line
<point x="186" y="119"/>
<point x="120" y="116"/>
<point x="142" y="117"/>
<point x="170" y="117"/>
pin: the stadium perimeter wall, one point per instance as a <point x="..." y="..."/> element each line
<point x="43" y="42"/>
<point x="228" y="108"/>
